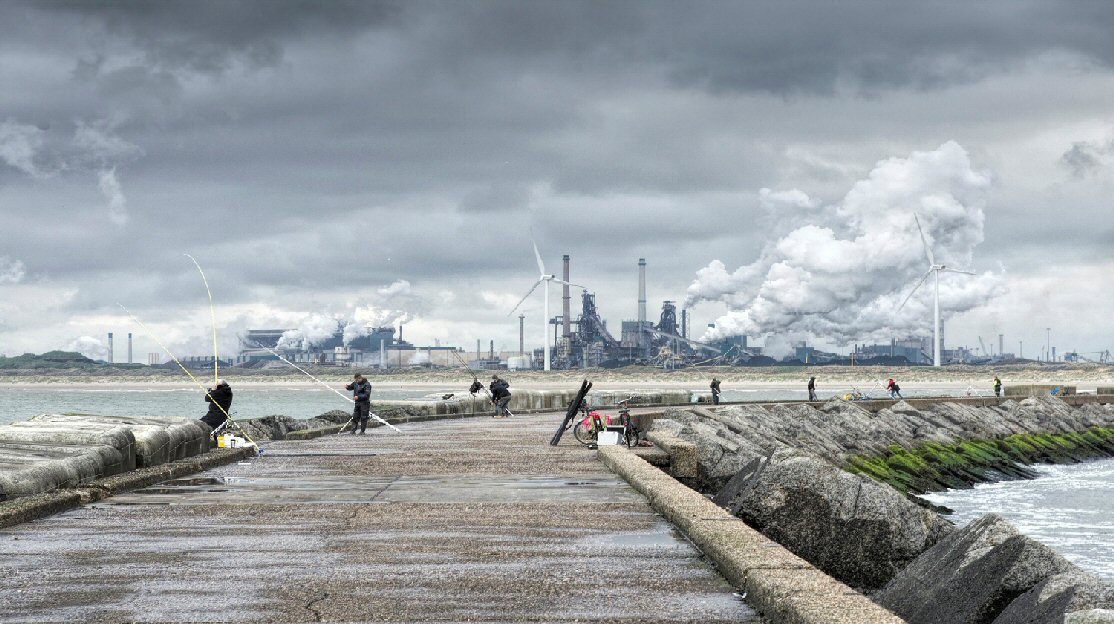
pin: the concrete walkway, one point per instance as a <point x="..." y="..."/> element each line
<point x="452" y="521"/>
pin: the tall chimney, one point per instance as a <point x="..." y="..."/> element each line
<point x="684" y="323"/>
<point x="130" y="348"/>
<point x="492" y="350"/>
<point x="479" y="354"/>
<point x="641" y="300"/>
<point x="565" y="309"/>
<point x="522" y="334"/>
<point x="110" y="351"/>
<point x="1001" y="344"/>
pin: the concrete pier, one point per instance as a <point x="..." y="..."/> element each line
<point x="458" y="520"/>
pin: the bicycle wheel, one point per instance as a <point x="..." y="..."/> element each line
<point x="582" y="435"/>
<point x="631" y="437"/>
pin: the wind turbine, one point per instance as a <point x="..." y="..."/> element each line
<point x="547" y="278"/>
<point x="933" y="269"/>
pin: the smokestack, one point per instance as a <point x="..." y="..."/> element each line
<point x="129" y="348"/>
<point x="382" y="354"/>
<point x="479" y="354"/>
<point x="641" y="299"/>
<point x="522" y="334"/>
<point x="110" y="351"/>
<point x="566" y="311"/>
<point x="492" y="356"/>
<point x="1001" y="344"/>
<point x="684" y="323"/>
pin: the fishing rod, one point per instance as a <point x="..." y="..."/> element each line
<point x="227" y="416"/>
<point x="338" y="393"/>
<point x="475" y="379"/>
<point x="213" y="316"/>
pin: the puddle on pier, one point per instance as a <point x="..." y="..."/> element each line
<point x="312" y="489"/>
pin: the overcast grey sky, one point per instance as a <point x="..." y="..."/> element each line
<point x="378" y="160"/>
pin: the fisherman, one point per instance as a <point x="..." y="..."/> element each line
<point x="895" y="390"/>
<point x="997" y="387"/>
<point x="500" y="396"/>
<point x="811" y="388"/>
<point x="475" y="387"/>
<point x="219" y="398"/>
<point x="361" y="394"/>
<point x="715" y="391"/>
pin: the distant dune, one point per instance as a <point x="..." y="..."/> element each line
<point x="1084" y="375"/>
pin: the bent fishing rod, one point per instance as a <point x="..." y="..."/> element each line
<point x="227" y="416"/>
<point x="338" y="393"/>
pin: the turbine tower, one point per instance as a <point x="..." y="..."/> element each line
<point x="934" y="270"/>
<point x="546" y="278"/>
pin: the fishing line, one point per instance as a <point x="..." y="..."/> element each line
<point x="213" y="315"/>
<point x="228" y="417"/>
<point x="338" y="392"/>
<point x="474" y="377"/>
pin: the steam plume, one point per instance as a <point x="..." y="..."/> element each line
<point x="844" y="269"/>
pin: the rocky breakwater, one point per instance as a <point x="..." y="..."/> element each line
<point x="836" y="483"/>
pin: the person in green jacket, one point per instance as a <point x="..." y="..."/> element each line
<point x="997" y="386"/>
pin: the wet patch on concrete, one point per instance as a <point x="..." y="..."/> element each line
<point x="461" y="525"/>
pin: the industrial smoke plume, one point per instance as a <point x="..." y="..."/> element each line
<point x="841" y="270"/>
<point x="318" y="328"/>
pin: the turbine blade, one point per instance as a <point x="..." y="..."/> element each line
<point x="569" y="283"/>
<point x="919" y="284"/>
<point x="958" y="271"/>
<point x="528" y="293"/>
<point x="927" y="250"/>
<point x="538" y="257"/>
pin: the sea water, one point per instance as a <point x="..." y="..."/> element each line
<point x="1068" y="507"/>
<point x="21" y="402"/>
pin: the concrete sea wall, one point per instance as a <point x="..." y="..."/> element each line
<point x="799" y="474"/>
<point x="526" y="400"/>
<point x="53" y="451"/>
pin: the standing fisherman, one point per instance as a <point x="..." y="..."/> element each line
<point x="811" y="388"/>
<point x="715" y="391"/>
<point x="500" y="396"/>
<point x="361" y="394"/>
<point x="997" y="387"/>
<point x="219" y="399"/>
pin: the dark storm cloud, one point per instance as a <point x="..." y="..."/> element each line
<point x="209" y="36"/>
<point x="777" y="47"/>
<point x="306" y="152"/>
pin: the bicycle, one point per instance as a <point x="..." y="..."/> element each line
<point x="587" y="429"/>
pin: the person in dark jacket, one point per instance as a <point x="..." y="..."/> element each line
<point x="895" y="390"/>
<point x="811" y="388"/>
<point x="361" y="394"/>
<point x="715" y="391"/>
<point x="500" y="396"/>
<point x="219" y="398"/>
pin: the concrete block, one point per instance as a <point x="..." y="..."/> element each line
<point x="683" y="461"/>
<point x="157" y="439"/>
<point x="27" y="469"/>
<point x="1034" y="390"/>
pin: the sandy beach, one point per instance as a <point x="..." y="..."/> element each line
<point x="1085" y="376"/>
